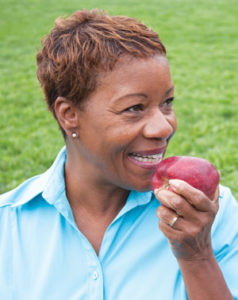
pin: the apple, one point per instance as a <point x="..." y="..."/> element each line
<point x="198" y="172"/>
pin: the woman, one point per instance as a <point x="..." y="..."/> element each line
<point x="87" y="228"/>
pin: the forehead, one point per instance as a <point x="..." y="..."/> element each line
<point x="147" y="76"/>
<point x="128" y="67"/>
<point x="133" y="71"/>
<point x="127" y="61"/>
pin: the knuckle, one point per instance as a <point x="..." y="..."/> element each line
<point x="162" y="226"/>
<point x="178" y="204"/>
<point x="214" y="212"/>
<point x="199" y="199"/>
<point x="162" y="211"/>
<point x="201" y="223"/>
<point x="192" y="233"/>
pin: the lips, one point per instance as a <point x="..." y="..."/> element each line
<point x="147" y="159"/>
<point x="155" y="158"/>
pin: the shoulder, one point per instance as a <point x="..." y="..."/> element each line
<point x="36" y="185"/>
<point x="225" y="238"/>
<point x="24" y="192"/>
<point x="228" y="206"/>
<point x="225" y="226"/>
<point x="9" y="212"/>
<point x="227" y="202"/>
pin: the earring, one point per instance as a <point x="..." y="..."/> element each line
<point x="74" y="135"/>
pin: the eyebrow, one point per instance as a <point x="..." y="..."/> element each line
<point x="169" y="91"/>
<point x="144" y="95"/>
<point x="132" y="95"/>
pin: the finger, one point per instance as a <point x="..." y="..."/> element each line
<point x="176" y="203"/>
<point x="168" y="216"/>
<point x="162" y="196"/>
<point x="172" y="233"/>
<point x="194" y="196"/>
<point x="171" y="223"/>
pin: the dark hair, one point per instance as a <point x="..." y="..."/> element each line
<point x="78" y="47"/>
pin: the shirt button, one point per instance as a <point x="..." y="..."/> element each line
<point x="95" y="275"/>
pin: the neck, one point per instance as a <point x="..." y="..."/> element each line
<point x="86" y="192"/>
<point x="94" y="202"/>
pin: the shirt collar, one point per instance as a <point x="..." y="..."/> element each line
<point x="55" y="184"/>
<point x="135" y="199"/>
<point x="50" y="184"/>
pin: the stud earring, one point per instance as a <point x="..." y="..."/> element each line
<point x="74" y="135"/>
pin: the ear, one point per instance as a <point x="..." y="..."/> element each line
<point x="67" y="116"/>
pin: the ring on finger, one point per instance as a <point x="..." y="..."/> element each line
<point x="173" y="221"/>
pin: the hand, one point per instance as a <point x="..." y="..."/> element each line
<point x="190" y="214"/>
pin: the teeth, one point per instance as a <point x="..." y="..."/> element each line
<point x="148" y="158"/>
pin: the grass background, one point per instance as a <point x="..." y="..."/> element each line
<point x="202" y="44"/>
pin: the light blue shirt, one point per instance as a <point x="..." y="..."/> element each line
<point x="44" y="256"/>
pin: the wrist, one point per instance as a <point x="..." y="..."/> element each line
<point x="203" y="279"/>
<point x="200" y="261"/>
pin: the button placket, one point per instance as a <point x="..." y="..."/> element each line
<point x="95" y="275"/>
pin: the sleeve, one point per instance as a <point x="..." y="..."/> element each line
<point x="225" y="239"/>
<point x="5" y="254"/>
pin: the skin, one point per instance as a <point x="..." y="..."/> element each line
<point x="131" y="111"/>
<point x="190" y="238"/>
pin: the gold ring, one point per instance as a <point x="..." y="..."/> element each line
<point x="171" y="224"/>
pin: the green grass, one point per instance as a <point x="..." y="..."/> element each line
<point x="202" y="44"/>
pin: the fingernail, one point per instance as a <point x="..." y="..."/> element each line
<point x="174" y="183"/>
<point x="157" y="190"/>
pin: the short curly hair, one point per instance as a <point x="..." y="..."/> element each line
<point x="82" y="45"/>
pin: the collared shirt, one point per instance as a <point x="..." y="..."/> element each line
<point x="43" y="255"/>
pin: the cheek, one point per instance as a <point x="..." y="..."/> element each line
<point x="105" y="143"/>
<point x="121" y="135"/>
<point x="109" y="136"/>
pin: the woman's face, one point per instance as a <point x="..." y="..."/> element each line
<point x="126" y="123"/>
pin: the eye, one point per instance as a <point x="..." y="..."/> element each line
<point x="134" y="108"/>
<point x="167" y="104"/>
<point x="169" y="101"/>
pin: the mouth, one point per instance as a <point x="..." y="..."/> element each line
<point x="147" y="159"/>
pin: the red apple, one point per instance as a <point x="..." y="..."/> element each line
<point x="198" y="172"/>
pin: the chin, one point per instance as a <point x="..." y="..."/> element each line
<point x="143" y="187"/>
<point x="148" y="189"/>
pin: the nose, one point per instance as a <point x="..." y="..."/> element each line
<point x="160" y="125"/>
